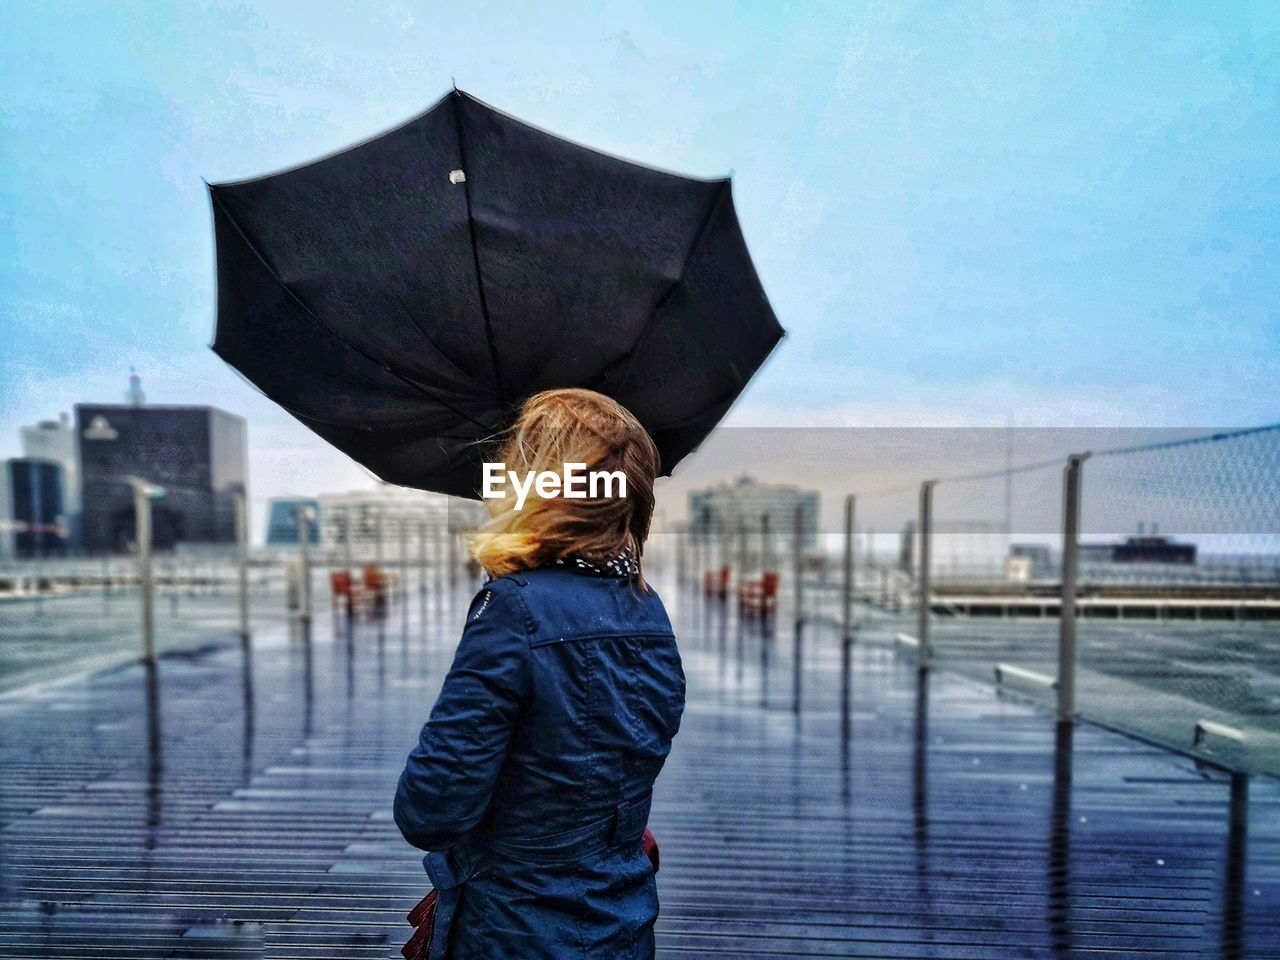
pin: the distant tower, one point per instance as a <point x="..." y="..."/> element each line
<point x="134" y="396"/>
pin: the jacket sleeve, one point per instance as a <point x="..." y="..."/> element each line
<point x="449" y="777"/>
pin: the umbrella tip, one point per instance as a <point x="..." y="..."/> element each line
<point x="455" y="84"/>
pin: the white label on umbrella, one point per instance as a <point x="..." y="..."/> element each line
<point x="456" y="176"/>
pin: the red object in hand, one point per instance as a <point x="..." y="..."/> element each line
<point x="651" y="848"/>
<point x="423" y="917"/>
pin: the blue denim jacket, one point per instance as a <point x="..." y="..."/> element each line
<point x="531" y="781"/>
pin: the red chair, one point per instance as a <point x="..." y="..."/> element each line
<point x="346" y="593"/>
<point x="340" y="587"/>
<point x="376" y="588"/>
<point x="759" y="597"/>
<point x="716" y="583"/>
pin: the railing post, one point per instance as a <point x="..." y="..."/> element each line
<point x="798" y="644"/>
<point x="766" y="566"/>
<point x="353" y="575"/>
<point x="142" y="517"/>
<point x="766" y="544"/>
<point x="242" y="559"/>
<point x="846" y="610"/>
<point x="797" y="562"/>
<point x="741" y="576"/>
<point x="422" y="562"/>
<point x="347" y="556"/>
<point x="453" y="561"/>
<point x="437" y="553"/>
<point x="174" y="580"/>
<point x="404" y="564"/>
<point x="1070" y="570"/>
<point x="303" y="516"/>
<point x="726" y="555"/>
<point x="925" y="651"/>
<point x="1233" y="907"/>
<point x="422" y="574"/>
<point x="846" y="615"/>
<point x="702" y="561"/>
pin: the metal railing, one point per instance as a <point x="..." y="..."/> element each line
<point x="60" y="614"/>
<point x="1174" y="652"/>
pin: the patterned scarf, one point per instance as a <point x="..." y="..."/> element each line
<point x="623" y="565"/>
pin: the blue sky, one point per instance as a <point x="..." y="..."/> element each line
<point x="1066" y="213"/>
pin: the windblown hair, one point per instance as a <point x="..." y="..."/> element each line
<point x="556" y="427"/>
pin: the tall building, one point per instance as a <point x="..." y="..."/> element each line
<point x="199" y="456"/>
<point x="36" y="519"/>
<point x="282" y="520"/>
<point x="722" y="509"/>
<point x="56" y="440"/>
<point x="373" y="519"/>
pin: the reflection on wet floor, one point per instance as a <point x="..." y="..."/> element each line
<point x="234" y="802"/>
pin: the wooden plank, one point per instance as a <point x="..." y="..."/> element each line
<point x="237" y="809"/>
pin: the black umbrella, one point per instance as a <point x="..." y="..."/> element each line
<point x="401" y="297"/>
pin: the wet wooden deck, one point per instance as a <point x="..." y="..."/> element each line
<point x="232" y="806"/>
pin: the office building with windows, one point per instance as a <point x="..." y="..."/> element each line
<point x="371" y="523"/>
<point x="197" y="454"/>
<point x="56" y="440"/>
<point x="35" y="521"/>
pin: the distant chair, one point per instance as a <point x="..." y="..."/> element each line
<point x="716" y="583"/>
<point x="375" y="588"/>
<point x="346" y="593"/>
<point x="758" y="597"/>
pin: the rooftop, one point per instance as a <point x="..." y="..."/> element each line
<point x="234" y="805"/>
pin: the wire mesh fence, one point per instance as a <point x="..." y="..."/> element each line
<point x="59" y="615"/>
<point x="883" y="561"/>
<point x="1180" y="617"/>
<point x="996" y="578"/>
<point x="1177" y="610"/>
<point x="1172" y="632"/>
<point x="86" y="613"/>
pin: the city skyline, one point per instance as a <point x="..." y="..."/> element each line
<point x="956" y="225"/>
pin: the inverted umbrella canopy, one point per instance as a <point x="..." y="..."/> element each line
<point x="403" y="296"/>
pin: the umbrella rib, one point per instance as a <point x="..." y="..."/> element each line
<point x="325" y="421"/>
<point x="316" y="317"/>
<point x="311" y="422"/>
<point x="626" y="360"/>
<point x="475" y="248"/>
<point x="426" y="336"/>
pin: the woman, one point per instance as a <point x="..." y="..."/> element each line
<point x="531" y="782"/>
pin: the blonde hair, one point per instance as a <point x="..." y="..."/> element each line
<point x="556" y="427"/>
